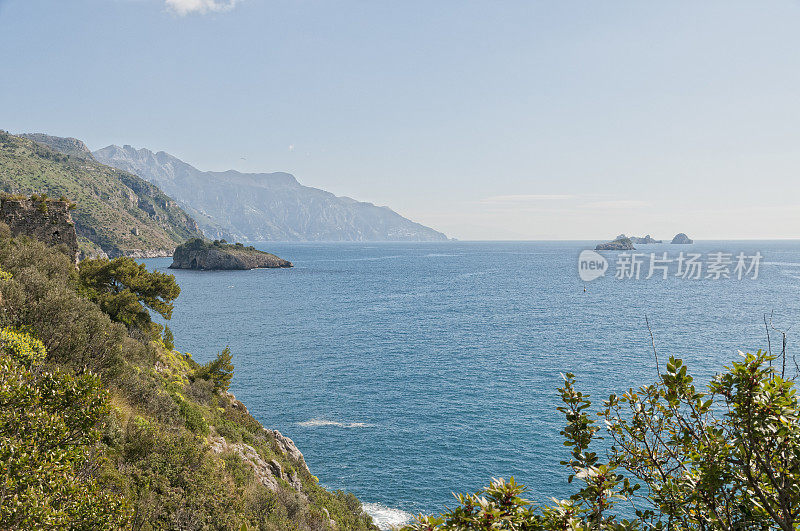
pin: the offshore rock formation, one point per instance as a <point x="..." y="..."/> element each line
<point x="639" y="240"/>
<point x="42" y="219"/>
<point x="620" y="244"/>
<point x="682" y="238"/>
<point x="198" y="254"/>
<point x="646" y="240"/>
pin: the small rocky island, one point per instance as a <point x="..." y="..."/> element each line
<point x="682" y="239"/>
<point x="644" y="241"/>
<point x="220" y="255"/>
<point x="622" y="243"/>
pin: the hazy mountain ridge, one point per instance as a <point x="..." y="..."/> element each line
<point x="264" y="206"/>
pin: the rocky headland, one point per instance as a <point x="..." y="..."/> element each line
<point x="264" y="206"/>
<point x="219" y="255"/>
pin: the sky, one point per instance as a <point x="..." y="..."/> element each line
<point x="494" y="119"/>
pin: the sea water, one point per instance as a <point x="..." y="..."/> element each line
<point x="408" y="371"/>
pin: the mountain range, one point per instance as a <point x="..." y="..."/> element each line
<point x="264" y="206"/>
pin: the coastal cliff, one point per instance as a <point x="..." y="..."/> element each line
<point x="264" y="206"/>
<point x="116" y="213"/>
<point x="202" y="255"/>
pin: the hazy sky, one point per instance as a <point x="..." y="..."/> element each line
<point x="486" y="120"/>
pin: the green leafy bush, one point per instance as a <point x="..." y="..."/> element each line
<point x="193" y="416"/>
<point x="47" y="443"/>
<point x="725" y="458"/>
<point x="168" y="339"/>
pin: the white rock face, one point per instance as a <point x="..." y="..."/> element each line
<point x="267" y="473"/>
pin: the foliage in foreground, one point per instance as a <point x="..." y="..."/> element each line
<point x="680" y="458"/>
<point x="48" y="440"/>
<point x="141" y="418"/>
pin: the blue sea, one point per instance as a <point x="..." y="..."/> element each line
<point x="408" y="371"/>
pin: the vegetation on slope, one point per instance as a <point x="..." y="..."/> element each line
<point x="155" y="440"/>
<point x="680" y="458"/>
<point x="66" y="145"/>
<point x="116" y="211"/>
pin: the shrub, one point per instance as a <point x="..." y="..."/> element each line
<point x="47" y="432"/>
<point x="193" y="416"/>
<point x="728" y="458"/>
<point x="219" y="371"/>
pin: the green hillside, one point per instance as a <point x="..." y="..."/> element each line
<point x="116" y="211"/>
<point x="104" y="425"/>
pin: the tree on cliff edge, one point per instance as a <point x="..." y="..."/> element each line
<point x="125" y="289"/>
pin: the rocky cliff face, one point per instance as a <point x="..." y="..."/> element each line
<point x="42" y="219"/>
<point x="197" y="254"/>
<point x="264" y="206"/>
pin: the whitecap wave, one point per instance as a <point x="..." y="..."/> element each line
<point x="385" y="517"/>
<point x="319" y="423"/>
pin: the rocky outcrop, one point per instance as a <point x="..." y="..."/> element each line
<point x="42" y="219"/>
<point x="267" y="472"/>
<point x="682" y="239"/>
<point x="201" y="255"/>
<point x="287" y="446"/>
<point x="147" y="253"/>
<point x="620" y="244"/>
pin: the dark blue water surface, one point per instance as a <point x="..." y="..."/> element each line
<point x="405" y="372"/>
